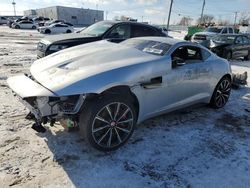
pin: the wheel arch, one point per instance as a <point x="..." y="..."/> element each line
<point x="123" y="90"/>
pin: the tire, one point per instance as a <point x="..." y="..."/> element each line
<point x="68" y="31"/>
<point x="17" y="27"/>
<point x="33" y="27"/>
<point x="107" y="123"/>
<point x="247" y="57"/>
<point x="47" y="31"/>
<point x="221" y="93"/>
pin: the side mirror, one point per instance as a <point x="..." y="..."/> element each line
<point x="178" y="62"/>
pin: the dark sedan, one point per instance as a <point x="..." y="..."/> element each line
<point x="114" y="31"/>
<point x="231" y="46"/>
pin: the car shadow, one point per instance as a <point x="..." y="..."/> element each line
<point x="87" y="167"/>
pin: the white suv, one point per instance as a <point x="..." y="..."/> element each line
<point x="204" y="37"/>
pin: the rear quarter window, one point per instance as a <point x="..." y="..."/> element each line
<point x="205" y="54"/>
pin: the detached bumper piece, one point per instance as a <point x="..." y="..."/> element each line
<point x="239" y="79"/>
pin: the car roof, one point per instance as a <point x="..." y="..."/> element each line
<point x="130" y="22"/>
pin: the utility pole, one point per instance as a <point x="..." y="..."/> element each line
<point x="107" y="12"/>
<point x="169" y="14"/>
<point x="204" y="2"/>
<point x="235" y="18"/>
<point x="14" y="6"/>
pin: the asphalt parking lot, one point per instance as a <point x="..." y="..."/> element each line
<point x="195" y="147"/>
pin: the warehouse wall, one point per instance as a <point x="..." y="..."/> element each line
<point x="76" y="16"/>
<point x="49" y="12"/>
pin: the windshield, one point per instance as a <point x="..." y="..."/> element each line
<point x="213" y="29"/>
<point x="224" y="39"/>
<point x="97" y="29"/>
<point x="148" y="46"/>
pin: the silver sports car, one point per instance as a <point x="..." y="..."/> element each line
<point x="105" y="89"/>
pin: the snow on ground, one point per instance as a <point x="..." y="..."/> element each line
<point x="194" y="147"/>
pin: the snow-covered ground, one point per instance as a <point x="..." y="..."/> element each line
<point x="195" y="147"/>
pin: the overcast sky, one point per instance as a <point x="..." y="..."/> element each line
<point x="154" y="11"/>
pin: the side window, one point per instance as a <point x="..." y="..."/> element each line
<point x="238" y="40"/>
<point x="187" y="55"/>
<point x="230" y="30"/>
<point x="224" y="31"/>
<point x="120" y="32"/>
<point x="141" y="31"/>
<point x="245" y="40"/>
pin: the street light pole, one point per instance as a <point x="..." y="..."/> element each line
<point x="204" y="2"/>
<point x="235" y="18"/>
<point x="14" y="6"/>
<point x="169" y="14"/>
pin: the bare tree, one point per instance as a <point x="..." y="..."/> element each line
<point x="185" y="21"/>
<point x="206" y="19"/>
<point x="244" y="18"/>
<point x="223" y="22"/>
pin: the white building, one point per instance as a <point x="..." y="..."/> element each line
<point x="76" y="16"/>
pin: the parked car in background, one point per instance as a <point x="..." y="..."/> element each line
<point x="231" y="46"/>
<point x="3" y="20"/>
<point x="41" y="23"/>
<point x="105" y="89"/>
<point x="47" y="23"/>
<point x="56" y="29"/>
<point x="24" y="25"/>
<point x="115" y="31"/>
<point x="204" y="37"/>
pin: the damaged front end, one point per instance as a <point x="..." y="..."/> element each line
<point x="51" y="109"/>
<point x="44" y="105"/>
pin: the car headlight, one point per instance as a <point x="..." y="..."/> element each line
<point x="57" y="47"/>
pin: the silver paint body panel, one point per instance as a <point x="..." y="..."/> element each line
<point x="98" y="66"/>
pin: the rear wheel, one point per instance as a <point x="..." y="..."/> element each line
<point x="47" y="31"/>
<point x="221" y="93"/>
<point x="108" y="122"/>
<point x="68" y="31"/>
<point x="33" y="27"/>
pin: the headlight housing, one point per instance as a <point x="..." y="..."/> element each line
<point x="57" y="47"/>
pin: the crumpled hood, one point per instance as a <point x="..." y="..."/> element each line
<point x="69" y="66"/>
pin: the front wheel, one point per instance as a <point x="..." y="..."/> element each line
<point x="68" y="31"/>
<point x="108" y="122"/>
<point x="17" y="27"/>
<point x="221" y="93"/>
<point x="33" y="27"/>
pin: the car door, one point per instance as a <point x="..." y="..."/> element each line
<point x="119" y="33"/>
<point x="56" y="28"/>
<point x="184" y="83"/>
<point x="189" y="80"/>
<point x="237" y="48"/>
<point x="245" y="46"/>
